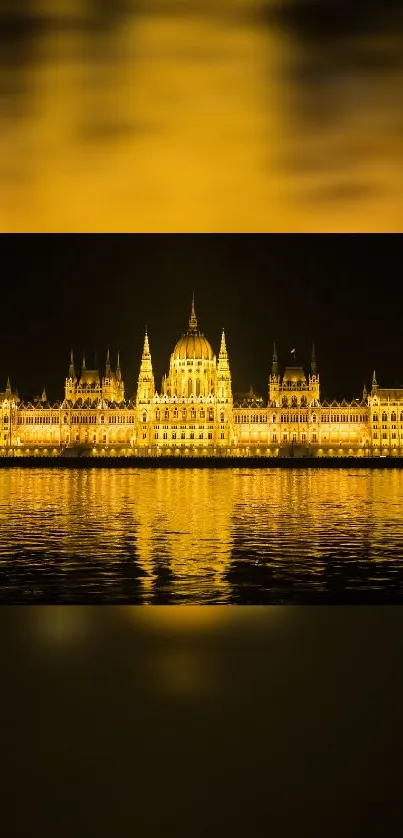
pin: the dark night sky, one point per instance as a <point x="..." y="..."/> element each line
<point x="87" y="291"/>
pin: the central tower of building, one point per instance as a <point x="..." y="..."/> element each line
<point x="192" y="368"/>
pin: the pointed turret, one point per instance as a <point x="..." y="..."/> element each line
<point x="313" y="360"/>
<point x="193" y="327"/>
<point x="274" y="363"/>
<point x="364" y="393"/>
<point x="72" y="373"/>
<point x="224" y="391"/>
<point x="223" y="346"/>
<point x="374" y="382"/>
<point x="83" y="366"/>
<point x="145" y="385"/>
<point x="8" y="387"/>
<point x="44" y="397"/>
<point x="108" y="365"/>
<point x="118" y="370"/>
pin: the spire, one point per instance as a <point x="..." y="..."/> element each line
<point x="313" y="360"/>
<point x="83" y="365"/>
<point x="145" y="384"/>
<point x="146" y="348"/>
<point x="374" y="382"/>
<point x="274" y="365"/>
<point x="44" y="397"/>
<point x="8" y="387"/>
<point x="118" y="370"/>
<point x="72" y="374"/>
<point x="223" y="347"/>
<point x="364" y="393"/>
<point x="108" y="365"/>
<point x="193" y="328"/>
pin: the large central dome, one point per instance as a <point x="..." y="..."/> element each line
<point x="193" y="345"/>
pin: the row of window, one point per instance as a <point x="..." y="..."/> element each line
<point x="246" y="418"/>
<point x="183" y="435"/>
<point x="40" y="419"/>
<point x="385" y="435"/>
<point x="189" y="427"/>
<point x="385" y="418"/>
<point x="184" y="412"/>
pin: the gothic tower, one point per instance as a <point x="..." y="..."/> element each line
<point x="145" y="384"/>
<point x="274" y="380"/>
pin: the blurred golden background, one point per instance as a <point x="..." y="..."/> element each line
<point x="182" y="115"/>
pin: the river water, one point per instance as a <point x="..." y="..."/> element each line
<point x="206" y="536"/>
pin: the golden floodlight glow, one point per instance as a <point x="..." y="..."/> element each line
<point x="205" y="118"/>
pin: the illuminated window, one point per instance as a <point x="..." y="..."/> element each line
<point x="210" y="435"/>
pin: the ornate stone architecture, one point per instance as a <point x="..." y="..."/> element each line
<point x="196" y="413"/>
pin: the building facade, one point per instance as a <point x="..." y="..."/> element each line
<point x="196" y="413"/>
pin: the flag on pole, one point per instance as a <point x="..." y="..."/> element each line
<point x="292" y="351"/>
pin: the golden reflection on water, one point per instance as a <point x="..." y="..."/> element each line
<point x="199" y="536"/>
<point x="183" y="116"/>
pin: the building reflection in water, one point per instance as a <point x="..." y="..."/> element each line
<point x="176" y="536"/>
<point x="229" y="115"/>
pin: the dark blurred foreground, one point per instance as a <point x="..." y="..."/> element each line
<point x="201" y="721"/>
<point x="187" y="115"/>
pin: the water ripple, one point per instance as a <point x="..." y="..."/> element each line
<point x="206" y="536"/>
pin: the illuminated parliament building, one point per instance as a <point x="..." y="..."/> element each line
<point x="197" y="413"/>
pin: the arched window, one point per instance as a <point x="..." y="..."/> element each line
<point x="175" y="413"/>
<point x="284" y="401"/>
<point x="202" y="413"/>
<point x="193" y="413"/>
<point x="375" y="417"/>
<point x="313" y="418"/>
<point x="184" y="413"/>
<point x="384" y="417"/>
<point x="144" y="417"/>
<point x="157" y="414"/>
<point x="222" y="417"/>
<point x="65" y="420"/>
<point x="303" y="401"/>
<point x="210" y="413"/>
<point x="294" y="401"/>
<point x="102" y="419"/>
<point x="393" y="416"/>
<point x="273" y="418"/>
<point x="166" y="414"/>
